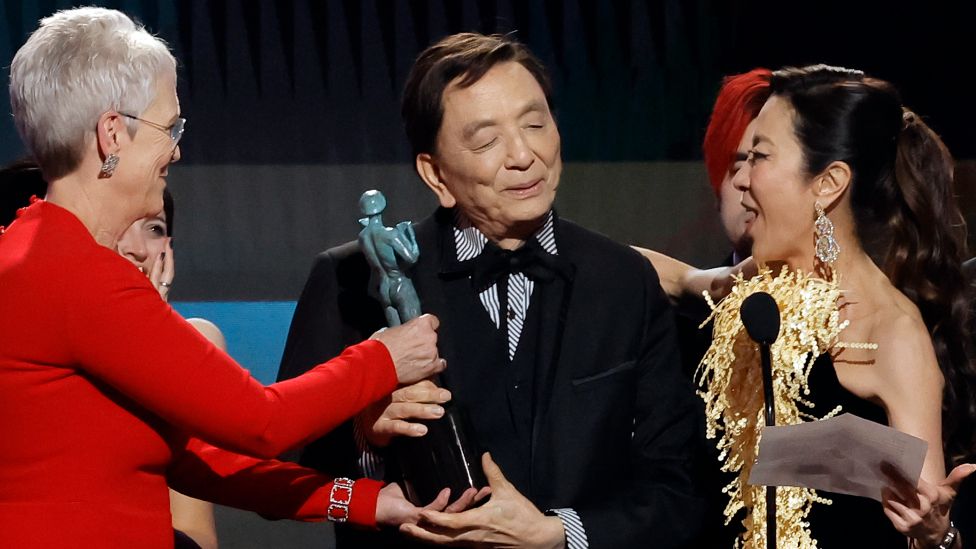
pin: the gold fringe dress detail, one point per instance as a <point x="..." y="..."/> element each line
<point x="731" y="385"/>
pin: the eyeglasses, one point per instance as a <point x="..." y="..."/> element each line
<point x="175" y="131"/>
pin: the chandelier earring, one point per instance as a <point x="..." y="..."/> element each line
<point x="827" y="248"/>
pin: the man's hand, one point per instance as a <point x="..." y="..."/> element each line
<point x="507" y="520"/>
<point x="388" y="418"/>
<point x="413" y="347"/>
<point x="393" y="508"/>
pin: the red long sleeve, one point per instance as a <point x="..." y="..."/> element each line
<point x="209" y="473"/>
<point x="98" y="375"/>
<point x="190" y="383"/>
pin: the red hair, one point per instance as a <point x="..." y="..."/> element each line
<point x="737" y="104"/>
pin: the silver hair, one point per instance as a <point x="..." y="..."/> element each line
<point x="79" y="64"/>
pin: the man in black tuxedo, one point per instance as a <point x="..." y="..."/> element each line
<point x="559" y="342"/>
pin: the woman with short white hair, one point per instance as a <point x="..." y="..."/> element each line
<point x="108" y="394"/>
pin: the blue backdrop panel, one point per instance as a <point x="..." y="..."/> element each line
<point x="255" y="330"/>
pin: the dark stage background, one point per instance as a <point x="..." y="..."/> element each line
<point x="293" y="111"/>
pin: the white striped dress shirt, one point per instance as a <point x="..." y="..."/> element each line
<point x="470" y="242"/>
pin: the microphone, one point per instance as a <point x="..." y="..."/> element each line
<point x="760" y="316"/>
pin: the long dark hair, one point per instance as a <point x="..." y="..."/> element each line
<point x="168" y="210"/>
<point x="904" y="208"/>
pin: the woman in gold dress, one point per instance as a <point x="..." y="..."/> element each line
<point x="858" y="237"/>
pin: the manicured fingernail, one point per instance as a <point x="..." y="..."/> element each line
<point x="420" y="429"/>
<point x="435" y="410"/>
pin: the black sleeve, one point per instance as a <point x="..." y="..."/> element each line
<point x="314" y="335"/>
<point x="660" y="506"/>
<point x="333" y="312"/>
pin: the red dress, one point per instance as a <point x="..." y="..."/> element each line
<point x="99" y="381"/>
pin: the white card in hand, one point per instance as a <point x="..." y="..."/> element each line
<point x="841" y="454"/>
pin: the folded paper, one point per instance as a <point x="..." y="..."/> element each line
<point x="843" y="454"/>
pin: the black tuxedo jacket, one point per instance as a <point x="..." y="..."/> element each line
<point x="615" y="424"/>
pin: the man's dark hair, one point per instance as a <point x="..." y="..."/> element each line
<point x="467" y="56"/>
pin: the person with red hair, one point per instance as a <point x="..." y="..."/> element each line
<point x="726" y="145"/>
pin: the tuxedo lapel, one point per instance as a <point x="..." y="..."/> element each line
<point x="479" y="373"/>
<point x="554" y="303"/>
<point x="425" y="278"/>
<point x="467" y="337"/>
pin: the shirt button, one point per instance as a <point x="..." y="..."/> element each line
<point x="511" y="314"/>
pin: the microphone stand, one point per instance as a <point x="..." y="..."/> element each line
<point x="760" y="317"/>
<point x="767" y="375"/>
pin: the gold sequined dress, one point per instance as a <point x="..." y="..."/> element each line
<point x="805" y="388"/>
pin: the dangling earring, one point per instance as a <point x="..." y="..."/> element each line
<point x="827" y="247"/>
<point x="108" y="167"/>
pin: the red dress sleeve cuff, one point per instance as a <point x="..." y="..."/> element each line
<point x="362" y="507"/>
<point x="336" y="502"/>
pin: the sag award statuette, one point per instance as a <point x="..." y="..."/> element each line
<point x="447" y="456"/>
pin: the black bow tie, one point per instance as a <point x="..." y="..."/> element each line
<point x="495" y="264"/>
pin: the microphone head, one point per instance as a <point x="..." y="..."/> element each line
<point x="760" y="316"/>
